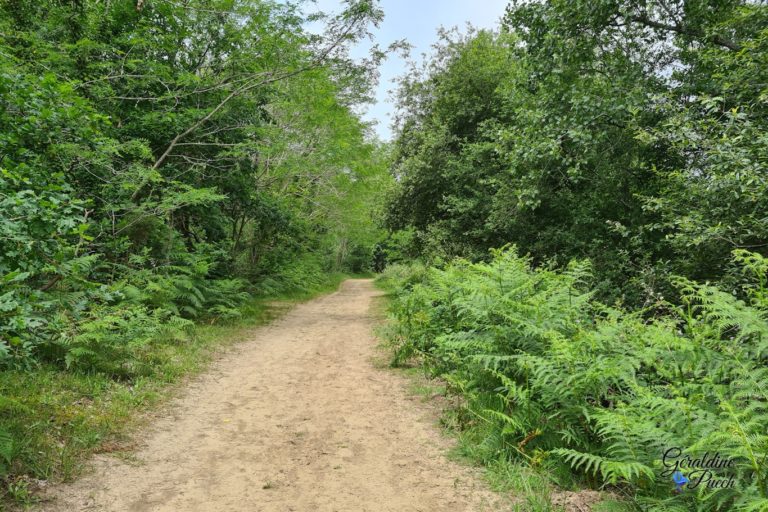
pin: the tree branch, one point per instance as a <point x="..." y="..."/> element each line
<point x="247" y="87"/>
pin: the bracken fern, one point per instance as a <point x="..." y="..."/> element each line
<point x="549" y="374"/>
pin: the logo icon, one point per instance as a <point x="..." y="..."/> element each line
<point x="680" y="480"/>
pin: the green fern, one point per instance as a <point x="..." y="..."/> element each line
<point x="545" y="369"/>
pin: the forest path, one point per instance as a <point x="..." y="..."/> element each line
<point x="296" y="418"/>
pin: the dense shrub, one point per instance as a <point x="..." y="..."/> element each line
<point x="555" y="378"/>
<point x="629" y="133"/>
<point x="143" y="181"/>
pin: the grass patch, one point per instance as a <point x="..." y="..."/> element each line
<point x="426" y="390"/>
<point x="57" y="418"/>
<point x="531" y="489"/>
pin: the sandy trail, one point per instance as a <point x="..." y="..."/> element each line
<point x="297" y="418"/>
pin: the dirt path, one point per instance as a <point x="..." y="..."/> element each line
<point x="295" y="419"/>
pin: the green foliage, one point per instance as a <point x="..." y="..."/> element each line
<point x="631" y="134"/>
<point x="551" y="376"/>
<point x="7" y="451"/>
<point x="164" y="162"/>
<point x="109" y="339"/>
<point x="401" y="276"/>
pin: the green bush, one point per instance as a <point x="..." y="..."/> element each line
<point x="399" y="276"/>
<point x="555" y="378"/>
<point x="98" y="327"/>
<point x="112" y="340"/>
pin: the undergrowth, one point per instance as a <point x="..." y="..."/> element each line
<point x="594" y="395"/>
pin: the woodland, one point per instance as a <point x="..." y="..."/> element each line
<point x="571" y="223"/>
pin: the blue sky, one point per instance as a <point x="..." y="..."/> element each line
<point x="416" y="21"/>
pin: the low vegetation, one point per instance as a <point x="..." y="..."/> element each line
<point x="590" y="394"/>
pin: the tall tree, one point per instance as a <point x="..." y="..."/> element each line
<point x="627" y="133"/>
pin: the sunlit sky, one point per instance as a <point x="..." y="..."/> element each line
<point x="417" y="21"/>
